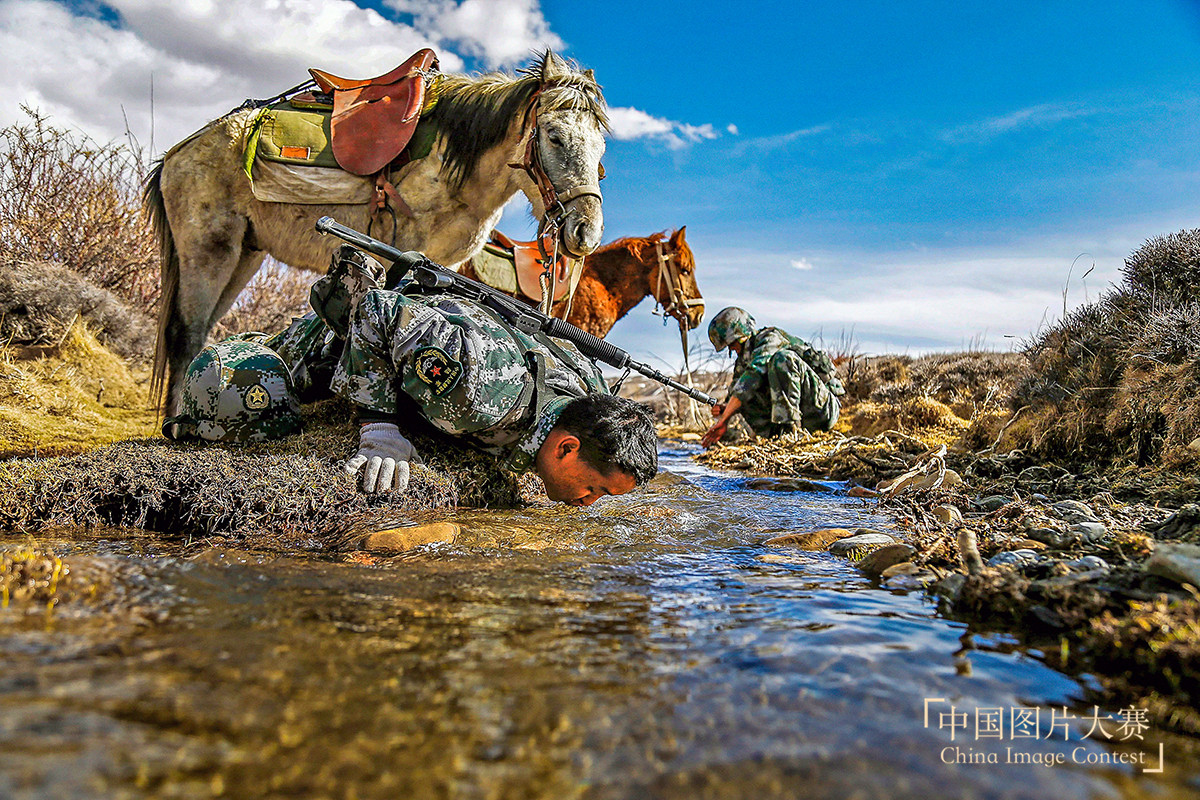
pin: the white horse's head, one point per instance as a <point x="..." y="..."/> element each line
<point x="570" y="121"/>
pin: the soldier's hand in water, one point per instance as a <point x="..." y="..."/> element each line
<point x="714" y="434"/>
<point x="383" y="457"/>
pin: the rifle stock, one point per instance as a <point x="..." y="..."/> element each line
<point x="524" y="318"/>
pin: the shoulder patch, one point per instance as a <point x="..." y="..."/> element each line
<point x="436" y="368"/>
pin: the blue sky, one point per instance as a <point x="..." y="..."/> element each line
<point x="921" y="175"/>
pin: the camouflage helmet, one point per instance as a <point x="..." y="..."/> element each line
<point x="236" y="391"/>
<point x="728" y="326"/>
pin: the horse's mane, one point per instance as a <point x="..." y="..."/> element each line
<point x="642" y="248"/>
<point x="473" y="114"/>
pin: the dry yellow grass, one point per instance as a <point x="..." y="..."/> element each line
<point x="70" y="398"/>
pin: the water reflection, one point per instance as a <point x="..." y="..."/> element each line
<point x="638" y="648"/>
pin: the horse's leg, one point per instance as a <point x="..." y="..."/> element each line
<point x="209" y="261"/>
<point x="247" y="265"/>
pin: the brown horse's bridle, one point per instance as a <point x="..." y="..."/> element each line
<point x="677" y="304"/>
<point x="554" y="201"/>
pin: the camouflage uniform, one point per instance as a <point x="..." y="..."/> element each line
<point x="470" y="374"/>
<point x="784" y="384"/>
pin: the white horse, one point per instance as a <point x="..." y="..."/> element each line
<point x="214" y="233"/>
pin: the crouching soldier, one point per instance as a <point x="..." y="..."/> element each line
<point x="532" y="400"/>
<point x="781" y="384"/>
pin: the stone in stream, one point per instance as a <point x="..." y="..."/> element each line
<point x="992" y="503"/>
<point x="1090" y="531"/>
<point x="861" y="491"/>
<point x="1050" y="537"/>
<point x="947" y="514"/>
<point x="1074" y="511"/>
<point x="1013" y="558"/>
<point x="809" y="540"/>
<point x="689" y="437"/>
<point x="400" y="540"/>
<point x="860" y="542"/>
<point x="1176" y="562"/>
<point x="1181" y="523"/>
<point x="1086" y="564"/>
<point x="874" y="563"/>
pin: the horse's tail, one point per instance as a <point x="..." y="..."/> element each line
<point x="168" y="281"/>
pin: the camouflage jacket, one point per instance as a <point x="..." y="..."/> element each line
<point x="470" y="374"/>
<point x="750" y="370"/>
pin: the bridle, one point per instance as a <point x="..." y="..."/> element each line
<point x="669" y="272"/>
<point x="555" y="204"/>
<point x="677" y="305"/>
<point x="553" y="200"/>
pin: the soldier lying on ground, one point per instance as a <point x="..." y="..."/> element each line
<point x="531" y="399"/>
<point x="781" y="384"/>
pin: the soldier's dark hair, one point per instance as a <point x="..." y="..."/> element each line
<point x="615" y="434"/>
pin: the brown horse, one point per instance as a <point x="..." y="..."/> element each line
<point x="618" y="276"/>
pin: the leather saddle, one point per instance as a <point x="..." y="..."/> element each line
<point x="374" y="119"/>
<point x="528" y="264"/>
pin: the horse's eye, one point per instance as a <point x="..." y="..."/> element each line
<point x="555" y="139"/>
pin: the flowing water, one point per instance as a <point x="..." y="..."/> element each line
<point x="645" y="647"/>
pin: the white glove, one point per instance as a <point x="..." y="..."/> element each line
<point x="382" y="459"/>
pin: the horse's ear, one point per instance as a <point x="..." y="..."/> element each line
<point x="590" y="75"/>
<point x="552" y="67"/>
<point x="677" y="236"/>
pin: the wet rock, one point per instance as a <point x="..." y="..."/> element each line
<point x="950" y="586"/>
<point x="400" y="540"/>
<point x="903" y="568"/>
<point x="1086" y="564"/>
<point x="1029" y="544"/>
<point x="1013" y="558"/>
<point x="1176" y="562"/>
<point x="875" y="562"/>
<point x="861" y="491"/>
<point x="1090" y="531"/>
<point x="947" y="515"/>
<point x="1074" y="511"/>
<point x="810" y="540"/>
<point x="866" y="531"/>
<point x="907" y="577"/>
<point x="1184" y="522"/>
<point x="1050" y="537"/>
<point x="862" y="541"/>
<point x="992" y="503"/>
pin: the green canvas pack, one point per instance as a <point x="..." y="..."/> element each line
<point x="300" y="134"/>
<point x="292" y="135"/>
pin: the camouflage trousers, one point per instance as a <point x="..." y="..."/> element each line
<point x="794" y="398"/>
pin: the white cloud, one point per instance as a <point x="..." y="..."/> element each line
<point x="627" y="124"/>
<point x="733" y="129"/>
<point x="500" y="32"/>
<point x="205" y="57"/>
<point x="802" y="264"/>
<point x="1039" y="116"/>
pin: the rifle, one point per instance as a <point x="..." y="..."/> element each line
<point x="524" y="318"/>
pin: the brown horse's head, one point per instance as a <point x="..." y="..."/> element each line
<point x="673" y="284"/>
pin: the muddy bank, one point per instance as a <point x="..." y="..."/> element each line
<point x="286" y="493"/>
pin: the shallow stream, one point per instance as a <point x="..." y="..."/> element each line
<point x="645" y="647"/>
